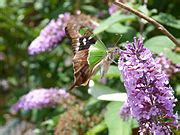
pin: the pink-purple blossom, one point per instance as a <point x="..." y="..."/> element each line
<point x="50" y="36"/>
<point x="125" y="111"/>
<point x="40" y="98"/>
<point x="150" y="97"/>
<point x="112" y="9"/>
<point x="168" y="67"/>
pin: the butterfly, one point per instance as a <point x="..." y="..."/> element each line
<point x="89" y="55"/>
<point x="80" y="45"/>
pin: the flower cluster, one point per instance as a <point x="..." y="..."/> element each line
<point x="168" y="67"/>
<point x="50" y="36"/>
<point x="150" y="97"/>
<point x="125" y="111"/>
<point x="40" y="98"/>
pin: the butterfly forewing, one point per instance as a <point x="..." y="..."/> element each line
<point x="73" y="35"/>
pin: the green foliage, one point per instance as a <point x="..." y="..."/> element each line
<point x="115" y="124"/>
<point x="97" y="129"/>
<point x="105" y="93"/>
<point x="119" y="28"/>
<point x="116" y="17"/>
<point x="168" y="20"/>
<point x="162" y="44"/>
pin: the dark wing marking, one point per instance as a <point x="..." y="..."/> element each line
<point x="86" y="42"/>
<point x="78" y="41"/>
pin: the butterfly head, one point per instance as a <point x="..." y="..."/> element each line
<point x="114" y="50"/>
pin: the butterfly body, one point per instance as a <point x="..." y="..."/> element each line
<point x="107" y="60"/>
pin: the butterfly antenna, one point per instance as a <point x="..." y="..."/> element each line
<point x="119" y="38"/>
<point x="113" y="61"/>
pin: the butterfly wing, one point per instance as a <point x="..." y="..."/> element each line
<point x="97" y="53"/>
<point x="82" y="71"/>
<point x="73" y="34"/>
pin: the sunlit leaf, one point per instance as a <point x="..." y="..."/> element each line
<point x="105" y="93"/>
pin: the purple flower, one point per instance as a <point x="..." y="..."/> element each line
<point x="150" y="97"/>
<point x="125" y="111"/>
<point x="40" y="98"/>
<point x="50" y="36"/>
<point x="112" y="9"/>
<point x="168" y="67"/>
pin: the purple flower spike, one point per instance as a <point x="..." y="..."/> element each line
<point x="50" y="36"/>
<point x="150" y="97"/>
<point x="40" y="98"/>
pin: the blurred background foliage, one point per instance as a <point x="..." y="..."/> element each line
<point x="21" y="21"/>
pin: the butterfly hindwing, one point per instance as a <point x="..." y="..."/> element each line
<point x="82" y="72"/>
<point x="97" y="53"/>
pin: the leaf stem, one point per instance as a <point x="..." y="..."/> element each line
<point x="150" y="20"/>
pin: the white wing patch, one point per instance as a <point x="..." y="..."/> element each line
<point x="84" y="41"/>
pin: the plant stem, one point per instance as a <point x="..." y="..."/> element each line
<point x="150" y="20"/>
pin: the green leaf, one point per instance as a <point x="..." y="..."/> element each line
<point x="159" y="44"/>
<point x="173" y="56"/>
<point x="162" y="44"/>
<point x="89" y="8"/>
<point x="116" y="17"/>
<point x="102" y="92"/>
<point x="167" y="19"/>
<point x="96" y="53"/>
<point x="118" y="28"/>
<point x="97" y="129"/>
<point x="112" y="72"/>
<point x="115" y="123"/>
<point x="177" y="89"/>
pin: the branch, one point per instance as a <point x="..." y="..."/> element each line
<point x="150" y="20"/>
